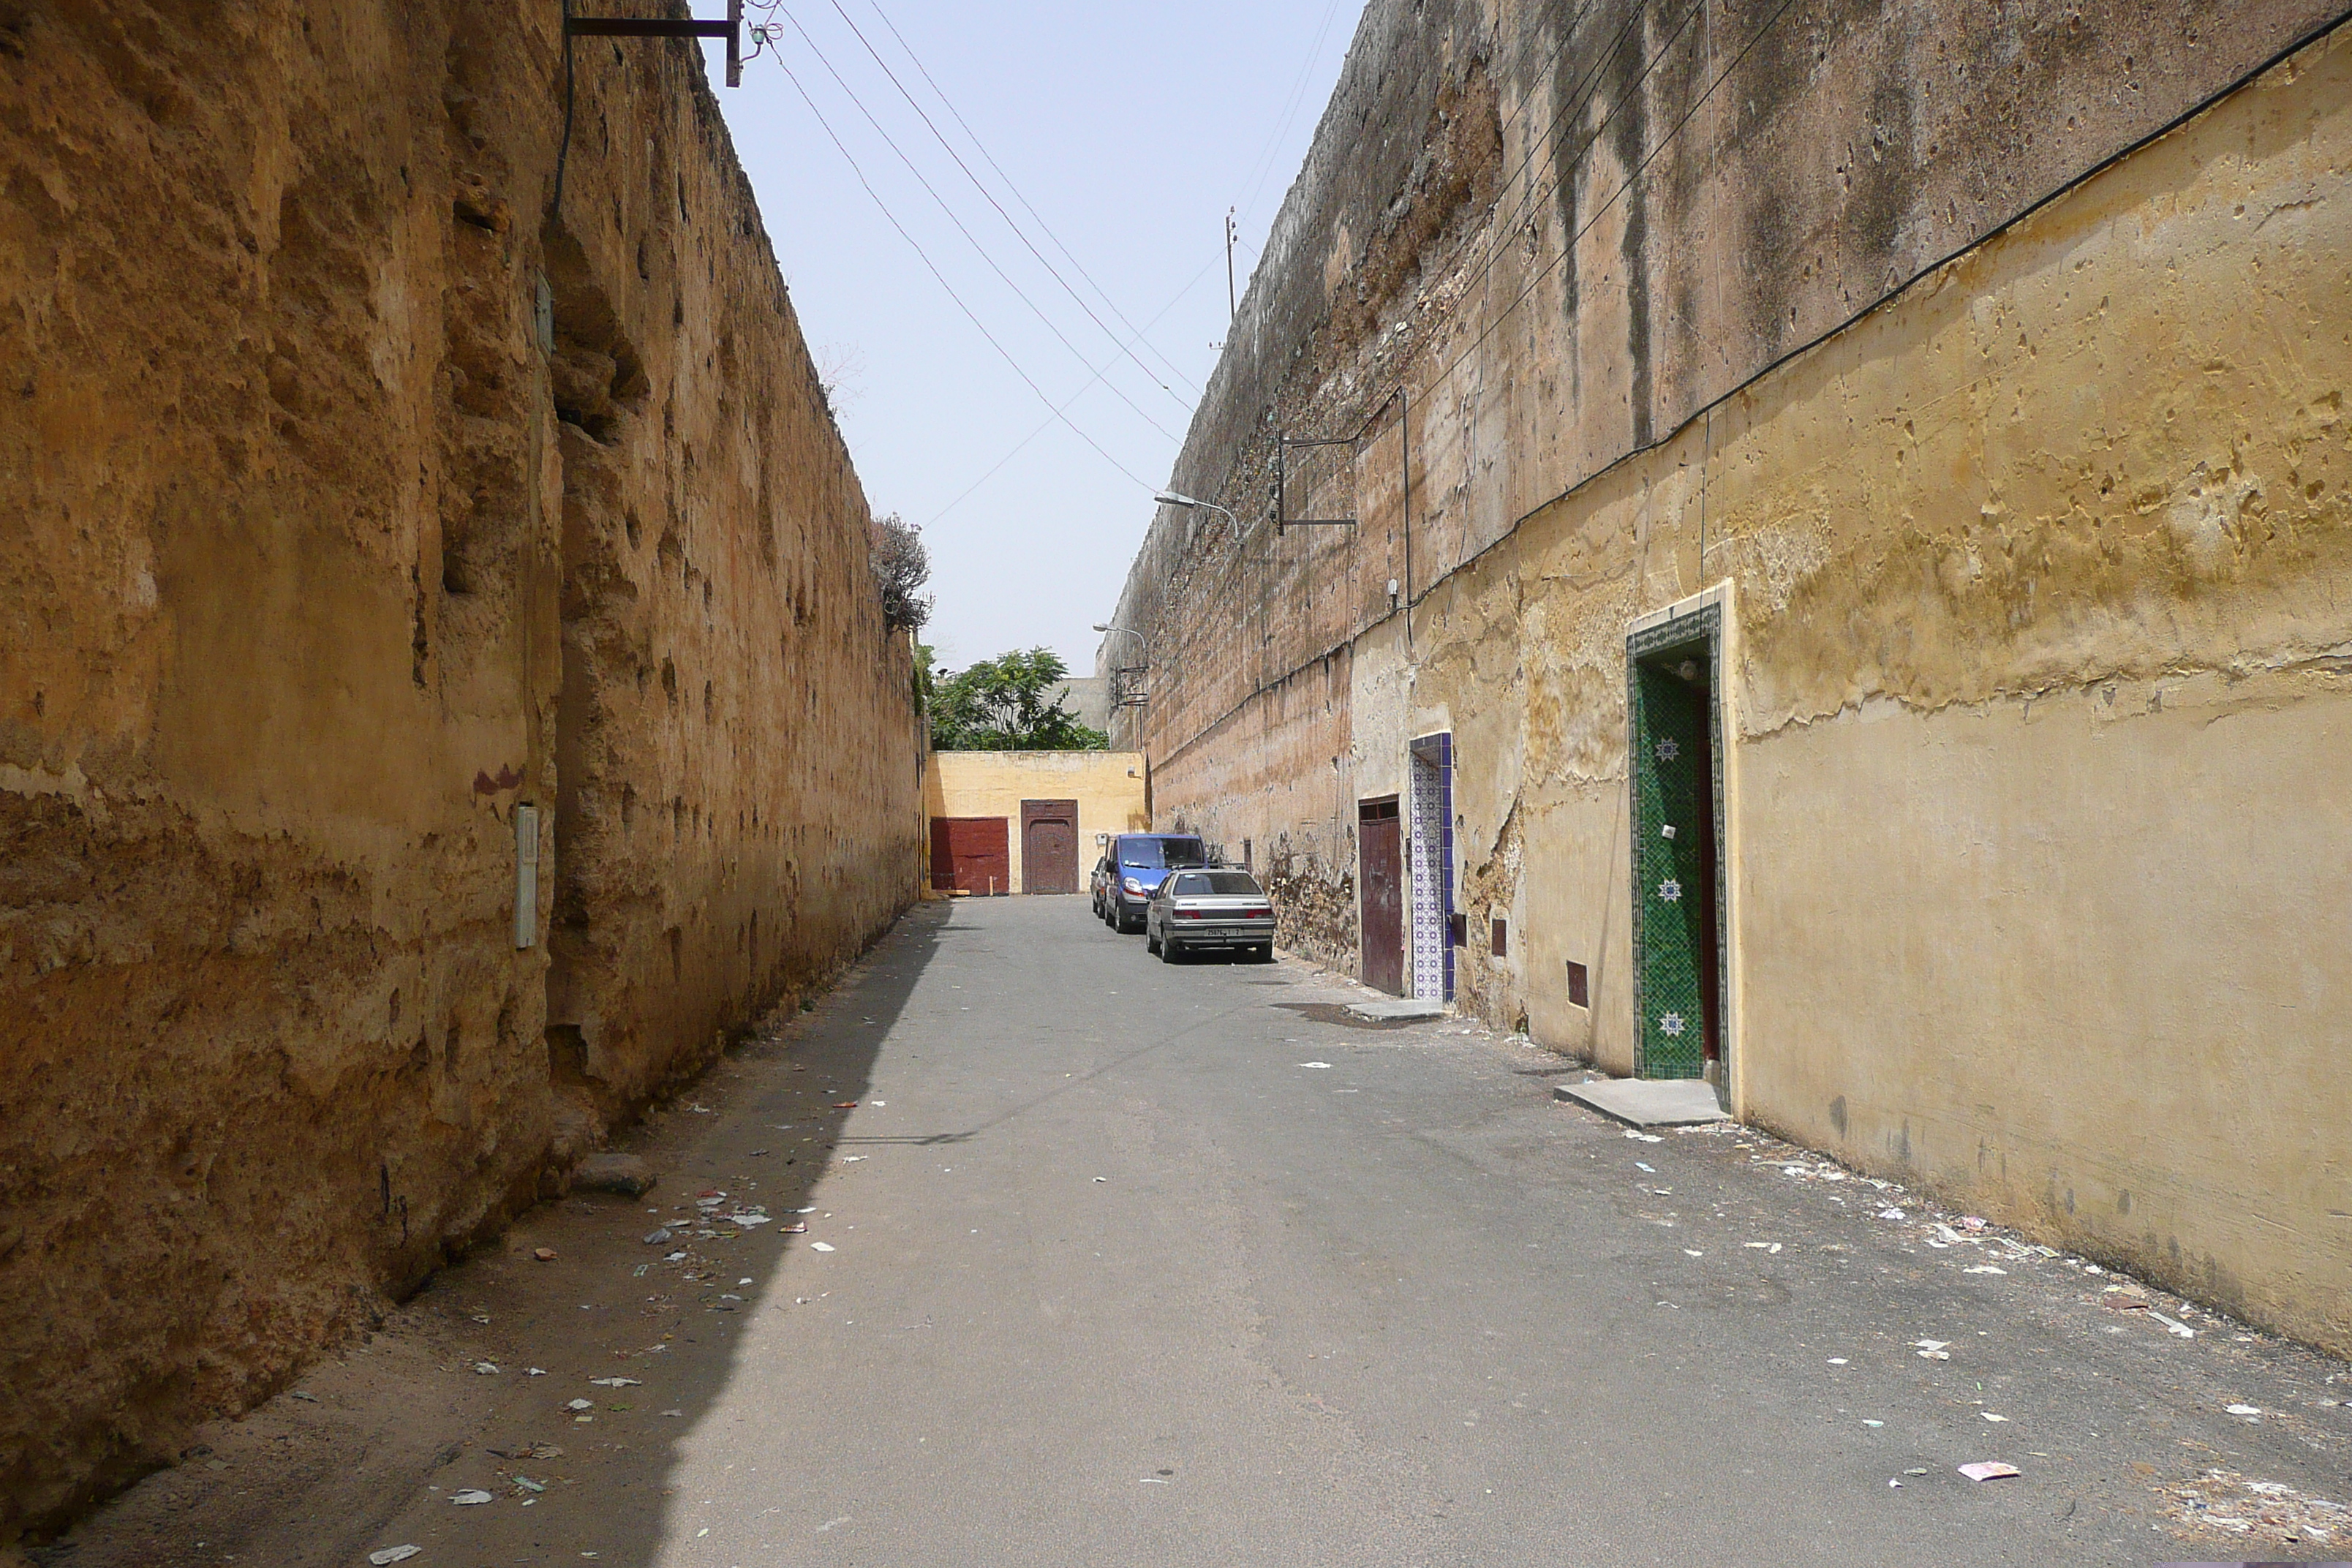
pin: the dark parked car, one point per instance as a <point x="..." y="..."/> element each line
<point x="1138" y="862"/>
<point x="1196" y="909"/>
<point x="1100" y="883"/>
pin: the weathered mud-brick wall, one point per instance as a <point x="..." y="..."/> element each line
<point x="350" y="499"/>
<point x="1982" y="369"/>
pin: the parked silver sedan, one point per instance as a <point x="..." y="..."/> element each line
<point x="1195" y="909"/>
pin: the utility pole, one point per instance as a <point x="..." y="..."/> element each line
<point x="1232" y="304"/>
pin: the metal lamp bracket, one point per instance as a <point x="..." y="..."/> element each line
<point x="1282" y="445"/>
<point x="730" y="29"/>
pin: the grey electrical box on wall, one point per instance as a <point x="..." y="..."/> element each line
<point x="526" y="829"/>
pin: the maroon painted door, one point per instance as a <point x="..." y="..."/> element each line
<point x="1379" y="862"/>
<point x="968" y="855"/>
<point x="1049" y="846"/>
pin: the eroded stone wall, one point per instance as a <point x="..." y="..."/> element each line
<point x="350" y="497"/>
<point x="2035" y="559"/>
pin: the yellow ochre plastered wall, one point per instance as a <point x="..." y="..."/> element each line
<point x="354" y="494"/>
<point x="2041" y="696"/>
<point x="1107" y="787"/>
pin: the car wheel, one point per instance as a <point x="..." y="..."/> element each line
<point x="1264" y="952"/>
<point x="1169" y="952"/>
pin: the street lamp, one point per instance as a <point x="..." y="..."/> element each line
<point x="1118" y="695"/>
<point x="1130" y="631"/>
<point x="1170" y="498"/>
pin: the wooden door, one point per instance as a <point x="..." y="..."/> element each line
<point x="1379" y="862"/>
<point x="968" y="855"/>
<point x="1049" y="846"/>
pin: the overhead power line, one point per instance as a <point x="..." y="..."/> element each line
<point x="1019" y="233"/>
<point x="932" y="267"/>
<point x="964" y="229"/>
<point x="1022" y="445"/>
<point x="1100" y="291"/>
<point x="1264" y="164"/>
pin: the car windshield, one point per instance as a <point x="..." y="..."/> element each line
<point x="1154" y="853"/>
<point x="1210" y="884"/>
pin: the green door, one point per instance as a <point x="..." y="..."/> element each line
<point x="1674" y="873"/>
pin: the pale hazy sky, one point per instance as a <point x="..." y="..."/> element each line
<point x="1129" y="128"/>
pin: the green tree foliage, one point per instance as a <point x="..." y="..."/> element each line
<point x="1003" y="704"/>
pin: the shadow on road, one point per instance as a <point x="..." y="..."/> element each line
<point x="780" y="1109"/>
<point x="379" y="1443"/>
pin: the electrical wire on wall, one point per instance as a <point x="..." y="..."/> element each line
<point x="1567" y="249"/>
<point x="1705" y="414"/>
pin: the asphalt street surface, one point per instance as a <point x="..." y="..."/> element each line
<point x="1109" y="1261"/>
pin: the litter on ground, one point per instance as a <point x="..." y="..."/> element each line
<point x="1990" y="1470"/>
<point x="2275" y="1514"/>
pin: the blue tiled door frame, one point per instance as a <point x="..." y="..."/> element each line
<point x="1431" y="764"/>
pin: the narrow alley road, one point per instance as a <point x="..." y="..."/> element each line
<point x="1117" y="1262"/>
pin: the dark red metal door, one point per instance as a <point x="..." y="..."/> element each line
<point x="970" y="855"/>
<point x="1049" y="846"/>
<point x="1379" y="862"/>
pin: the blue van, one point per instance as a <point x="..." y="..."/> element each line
<point x="1133" y="867"/>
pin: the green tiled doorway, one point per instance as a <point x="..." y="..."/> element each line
<point x="1675" y="737"/>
